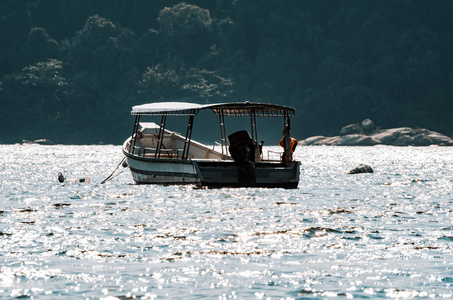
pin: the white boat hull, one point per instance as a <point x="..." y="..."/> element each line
<point x="210" y="173"/>
<point x="162" y="171"/>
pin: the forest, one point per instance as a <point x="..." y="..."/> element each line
<point x="71" y="70"/>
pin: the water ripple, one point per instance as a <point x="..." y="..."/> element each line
<point x="380" y="235"/>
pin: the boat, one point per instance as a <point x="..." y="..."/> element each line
<point x="156" y="155"/>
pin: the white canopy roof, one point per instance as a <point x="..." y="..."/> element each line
<point x="170" y="108"/>
<point x="226" y="109"/>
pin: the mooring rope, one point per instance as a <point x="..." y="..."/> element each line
<point x="110" y="177"/>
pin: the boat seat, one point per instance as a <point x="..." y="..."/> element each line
<point x="136" y="150"/>
<point x="168" y="152"/>
<point x="148" y="150"/>
<point x="179" y="153"/>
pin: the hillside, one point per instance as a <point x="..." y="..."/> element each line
<point x="71" y="70"/>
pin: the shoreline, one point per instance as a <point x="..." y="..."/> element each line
<point x="365" y="134"/>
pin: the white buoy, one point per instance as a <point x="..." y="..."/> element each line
<point x="62" y="179"/>
<point x="83" y="180"/>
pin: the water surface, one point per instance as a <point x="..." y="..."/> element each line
<point x="383" y="235"/>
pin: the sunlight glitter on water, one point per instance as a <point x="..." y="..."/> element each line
<point x="381" y="235"/>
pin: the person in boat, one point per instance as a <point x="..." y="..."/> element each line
<point x="288" y="141"/>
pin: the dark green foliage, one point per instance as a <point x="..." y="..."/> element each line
<point x="101" y="47"/>
<point x="40" y="46"/>
<point x="33" y="101"/>
<point x="70" y="70"/>
<point x="159" y="83"/>
<point x="183" y="25"/>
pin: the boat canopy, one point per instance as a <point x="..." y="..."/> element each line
<point x="225" y="109"/>
<point x="166" y="108"/>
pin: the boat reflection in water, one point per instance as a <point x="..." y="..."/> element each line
<point x="156" y="155"/>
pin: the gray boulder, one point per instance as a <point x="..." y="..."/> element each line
<point x="351" y="129"/>
<point x="43" y="142"/>
<point x="440" y="139"/>
<point x="367" y="126"/>
<point x="386" y="137"/>
<point x="357" y="140"/>
<point x="404" y="140"/>
<point x="361" y="169"/>
<point x="313" y="140"/>
<point x="365" y="134"/>
<point x="421" y="140"/>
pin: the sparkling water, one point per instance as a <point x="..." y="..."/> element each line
<point x="388" y="234"/>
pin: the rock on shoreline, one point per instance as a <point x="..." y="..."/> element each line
<point x="39" y="142"/>
<point x="365" y="134"/>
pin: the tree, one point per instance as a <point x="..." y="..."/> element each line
<point x="159" y="83"/>
<point x="100" y="46"/>
<point x="185" y="31"/>
<point x="40" y="46"/>
<point x="34" y="101"/>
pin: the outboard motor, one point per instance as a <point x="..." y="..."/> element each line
<point x="242" y="150"/>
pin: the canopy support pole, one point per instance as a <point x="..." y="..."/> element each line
<point x="134" y="133"/>
<point x="223" y="142"/>
<point x="185" y="152"/>
<point x="258" y="150"/>
<point x="163" y="120"/>
<point x="254" y="127"/>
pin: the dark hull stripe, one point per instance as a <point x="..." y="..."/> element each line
<point x="171" y="174"/>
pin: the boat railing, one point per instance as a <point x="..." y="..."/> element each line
<point x="164" y="153"/>
<point x="274" y="155"/>
<point x="144" y="151"/>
